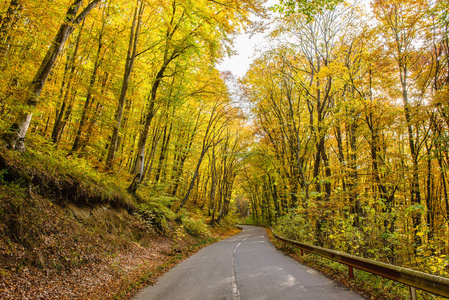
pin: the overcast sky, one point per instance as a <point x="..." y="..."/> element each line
<point x="245" y="47"/>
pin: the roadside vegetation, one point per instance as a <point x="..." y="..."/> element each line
<point x="67" y="231"/>
<point x="121" y="144"/>
<point x="366" y="284"/>
<point x="351" y="110"/>
<point x="119" y="141"/>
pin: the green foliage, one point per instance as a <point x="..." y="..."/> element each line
<point x="196" y="228"/>
<point x="344" y="236"/>
<point x="251" y="220"/>
<point x="304" y="7"/>
<point x="379" y="286"/>
<point x="431" y="260"/>
<point x="3" y="172"/>
<point x="229" y="221"/>
<point x="296" y="227"/>
<point x="15" y="214"/>
<point x="155" y="216"/>
<point x="74" y="177"/>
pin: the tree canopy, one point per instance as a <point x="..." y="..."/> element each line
<point x="340" y="137"/>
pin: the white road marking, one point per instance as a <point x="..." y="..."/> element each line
<point x="235" y="289"/>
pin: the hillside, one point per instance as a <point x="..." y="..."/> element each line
<point x="63" y="238"/>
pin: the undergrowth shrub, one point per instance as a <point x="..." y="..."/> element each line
<point x="229" y="221"/>
<point x="197" y="228"/>
<point x="155" y="216"/>
<point x="72" y="179"/>
<point x="342" y="235"/>
<point x="19" y="216"/>
<point x="294" y="226"/>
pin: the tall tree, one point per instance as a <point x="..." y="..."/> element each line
<point x="130" y="59"/>
<point x="72" y="18"/>
<point x="212" y="136"/>
<point x="403" y="20"/>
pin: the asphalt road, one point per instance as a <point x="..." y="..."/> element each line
<point x="243" y="267"/>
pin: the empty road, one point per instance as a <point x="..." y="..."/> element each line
<point x="243" y="267"/>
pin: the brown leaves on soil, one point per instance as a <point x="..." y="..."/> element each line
<point x="47" y="254"/>
<point x="95" y="280"/>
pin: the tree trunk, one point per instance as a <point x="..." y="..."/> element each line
<point x="64" y="112"/>
<point x="353" y="182"/>
<point x="131" y="56"/>
<point x="140" y="161"/>
<point x="160" y="172"/>
<point x="18" y="130"/>
<point x="213" y="188"/>
<point x="430" y="209"/>
<point x="168" y="58"/>
<point x="192" y="181"/>
<point x="7" y="23"/>
<point x="80" y="134"/>
<point x="415" y="190"/>
<point x="178" y="166"/>
<point x="92" y="123"/>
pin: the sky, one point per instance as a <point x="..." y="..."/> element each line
<point x="245" y="46"/>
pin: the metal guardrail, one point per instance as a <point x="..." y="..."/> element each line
<point x="414" y="279"/>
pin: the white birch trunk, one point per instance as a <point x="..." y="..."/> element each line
<point x="16" y="136"/>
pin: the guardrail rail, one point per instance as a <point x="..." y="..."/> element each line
<point x="414" y="279"/>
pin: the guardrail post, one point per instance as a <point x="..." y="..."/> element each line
<point x="351" y="272"/>
<point x="412" y="293"/>
<point x="302" y="252"/>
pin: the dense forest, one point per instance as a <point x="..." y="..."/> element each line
<point x="119" y="140"/>
<point x="350" y="110"/>
<point x="129" y="87"/>
<point x="338" y="135"/>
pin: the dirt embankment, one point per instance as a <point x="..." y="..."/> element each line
<point x="52" y="247"/>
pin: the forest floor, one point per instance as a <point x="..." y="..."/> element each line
<point x="54" y="248"/>
<point x="69" y="260"/>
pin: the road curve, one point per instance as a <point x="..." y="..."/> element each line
<point x="243" y="267"/>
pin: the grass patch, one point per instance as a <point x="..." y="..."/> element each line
<point x="65" y="179"/>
